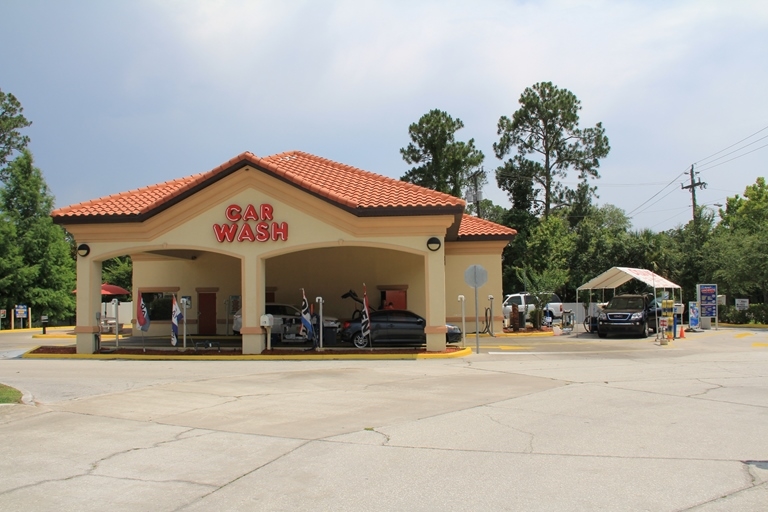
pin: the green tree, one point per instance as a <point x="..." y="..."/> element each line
<point x="736" y="254"/>
<point x="443" y="163"/>
<point x="541" y="285"/>
<point x="545" y="131"/>
<point x="488" y="211"/>
<point x="118" y="271"/>
<point x="48" y="278"/>
<point x="11" y="121"/>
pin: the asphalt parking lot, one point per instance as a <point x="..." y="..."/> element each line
<point x="556" y="423"/>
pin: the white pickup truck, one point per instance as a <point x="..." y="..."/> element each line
<point x="526" y="301"/>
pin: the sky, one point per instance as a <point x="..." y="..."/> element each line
<point x="126" y="94"/>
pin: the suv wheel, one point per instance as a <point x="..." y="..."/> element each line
<point x="359" y="340"/>
<point x="601" y="334"/>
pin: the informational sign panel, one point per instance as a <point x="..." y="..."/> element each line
<point x="3" y="313"/>
<point x="21" y="311"/>
<point x="708" y="300"/>
<point x="693" y="314"/>
<point x="234" y="304"/>
<point x="742" y="304"/>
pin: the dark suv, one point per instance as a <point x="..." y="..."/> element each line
<point x="628" y="314"/>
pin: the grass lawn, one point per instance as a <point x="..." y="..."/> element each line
<point x="9" y="395"/>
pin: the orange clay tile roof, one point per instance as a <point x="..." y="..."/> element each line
<point x="359" y="192"/>
<point x="474" y="228"/>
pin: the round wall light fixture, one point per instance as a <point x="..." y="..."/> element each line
<point x="434" y="244"/>
<point x="83" y="250"/>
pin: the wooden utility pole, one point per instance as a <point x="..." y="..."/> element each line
<point x="694" y="184"/>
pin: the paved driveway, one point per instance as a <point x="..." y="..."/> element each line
<point x="541" y="424"/>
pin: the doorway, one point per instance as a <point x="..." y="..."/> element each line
<point x="206" y="314"/>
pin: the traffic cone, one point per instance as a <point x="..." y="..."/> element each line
<point x="682" y="332"/>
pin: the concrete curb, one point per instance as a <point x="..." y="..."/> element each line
<point x="319" y="356"/>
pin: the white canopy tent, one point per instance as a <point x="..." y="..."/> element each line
<point x="617" y="276"/>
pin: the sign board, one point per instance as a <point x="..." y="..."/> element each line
<point x="663" y="322"/>
<point x="708" y="300"/>
<point x="693" y="314"/>
<point x="21" y="311"/>
<point x="476" y="276"/>
<point x="234" y="304"/>
<point x="3" y="312"/>
<point x="742" y="304"/>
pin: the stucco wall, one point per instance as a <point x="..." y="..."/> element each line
<point x="458" y="259"/>
<point x="208" y="271"/>
<point x="332" y="271"/>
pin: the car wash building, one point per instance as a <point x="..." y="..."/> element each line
<point x="258" y="230"/>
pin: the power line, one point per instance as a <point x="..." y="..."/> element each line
<point x="657" y="193"/>
<point x="653" y="203"/>
<point x="739" y="149"/>
<point x="734" y="158"/>
<point x="729" y="147"/>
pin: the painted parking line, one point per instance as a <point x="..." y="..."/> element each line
<point x="759" y="345"/>
<point x="744" y="335"/>
<point x="558" y="352"/>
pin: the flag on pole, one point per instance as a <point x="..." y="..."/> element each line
<point x="142" y="315"/>
<point x="365" y="318"/>
<point x="176" y="317"/>
<point x="306" y="318"/>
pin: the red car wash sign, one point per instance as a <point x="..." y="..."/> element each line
<point x="250" y="224"/>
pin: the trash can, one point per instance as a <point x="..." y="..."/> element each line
<point x="329" y="335"/>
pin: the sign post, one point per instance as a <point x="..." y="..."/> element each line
<point x="476" y="276"/>
<point x="21" y="313"/>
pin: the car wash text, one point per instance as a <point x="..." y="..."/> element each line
<point x="257" y="225"/>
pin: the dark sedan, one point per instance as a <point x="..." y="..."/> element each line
<point x="393" y="326"/>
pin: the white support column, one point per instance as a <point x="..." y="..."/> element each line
<point x="434" y="276"/>
<point x="88" y="304"/>
<point x="254" y="273"/>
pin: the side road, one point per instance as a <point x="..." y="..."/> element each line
<point x="556" y="424"/>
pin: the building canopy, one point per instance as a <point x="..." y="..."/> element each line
<point x="617" y="276"/>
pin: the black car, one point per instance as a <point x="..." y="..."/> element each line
<point x="393" y="326"/>
<point x="628" y="314"/>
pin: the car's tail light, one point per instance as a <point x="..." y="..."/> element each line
<point x="345" y="325"/>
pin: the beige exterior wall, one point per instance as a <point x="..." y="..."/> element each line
<point x="459" y="257"/>
<point x="327" y="251"/>
<point x="183" y="276"/>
